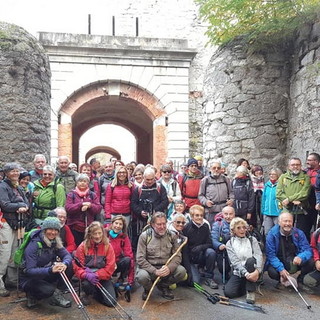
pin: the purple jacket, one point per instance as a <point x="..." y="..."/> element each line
<point x="39" y="258"/>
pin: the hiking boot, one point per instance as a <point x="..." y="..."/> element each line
<point x="145" y="294"/>
<point x="280" y="286"/>
<point x="31" y="301"/>
<point x="306" y="289"/>
<point x="211" y="283"/>
<point x="4" y="292"/>
<point x="166" y="293"/>
<point x="251" y="297"/>
<point x="86" y="300"/>
<point x="59" y="300"/>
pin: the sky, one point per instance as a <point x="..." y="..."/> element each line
<point x="68" y="16"/>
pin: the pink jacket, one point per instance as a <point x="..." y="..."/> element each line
<point x="118" y="200"/>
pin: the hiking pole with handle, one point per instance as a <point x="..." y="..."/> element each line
<point x="75" y="297"/>
<point x="185" y="240"/>
<point x="214" y="298"/>
<point x="122" y="313"/>
<point x="224" y="268"/>
<point x="106" y="294"/>
<point x="298" y="292"/>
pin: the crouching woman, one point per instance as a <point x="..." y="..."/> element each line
<point x="94" y="265"/>
<point x="41" y="278"/>
<point x="246" y="261"/>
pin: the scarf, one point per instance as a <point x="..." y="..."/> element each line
<point x="82" y="194"/>
<point x="113" y="234"/>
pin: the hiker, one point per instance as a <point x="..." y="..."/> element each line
<point x="82" y="206"/>
<point x="246" y="261"/>
<point x="95" y="263"/>
<point x="40" y="277"/>
<point x="48" y="194"/>
<point x="220" y="235"/>
<point x="14" y="208"/>
<point x="287" y="251"/>
<point x="312" y="279"/>
<point x="66" y="176"/>
<point x="215" y="192"/>
<point x="118" y="237"/>
<point x="200" y="252"/>
<point x="156" y="245"/>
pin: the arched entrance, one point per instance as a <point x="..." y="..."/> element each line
<point x="103" y="149"/>
<point x="119" y="103"/>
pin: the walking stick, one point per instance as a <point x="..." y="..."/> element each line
<point x="75" y="297"/>
<point x="185" y="240"/>
<point x="297" y="291"/>
<point x="20" y="234"/>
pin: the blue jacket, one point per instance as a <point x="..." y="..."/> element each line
<point x="303" y="249"/>
<point x="269" y="202"/>
<point x="220" y="233"/>
<point x="39" y="258"/>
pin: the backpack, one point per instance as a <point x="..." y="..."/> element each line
<point x="19" y="254"/>
<point x="224" y="181"/>
<point x="158" y="188"/>
<point x="148" y="229"/>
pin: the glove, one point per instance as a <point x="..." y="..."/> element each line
<point x="128" y="287"/>
<point x="92" y="278"/>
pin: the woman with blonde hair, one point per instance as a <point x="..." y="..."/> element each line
<point x="118" y="196"/>
<point x="94" y="263"/>
<point x="246" y="261"/>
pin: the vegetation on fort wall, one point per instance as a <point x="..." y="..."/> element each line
<point x="258" y="23"/>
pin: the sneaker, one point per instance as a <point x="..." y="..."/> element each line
<point x="166" y="293"/>
<point x="59" y="300"/>
<point x="211" y="283"/>
<point x="31" y="301"/>
<point x="145" y="294"/>
<point x="251" y="297"/>
<point x="4" y="292"/>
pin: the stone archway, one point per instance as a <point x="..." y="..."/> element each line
<point x="103" y="149"/>
<point x="118" y="103"/>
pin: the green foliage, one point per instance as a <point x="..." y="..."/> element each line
<point x="259" y="23"/>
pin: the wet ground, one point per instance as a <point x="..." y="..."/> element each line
<point x="188" y="304"/>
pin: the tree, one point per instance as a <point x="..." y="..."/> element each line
<point x="259" y="23"/>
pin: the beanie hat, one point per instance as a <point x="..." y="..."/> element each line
<point x="192" y="161"/>
<point x="10" y="166"/>
<point x="51" y="223"/>
<point x="24" y="174"/>
<point x="256" y="168"/>
<point x="198" y="157"/>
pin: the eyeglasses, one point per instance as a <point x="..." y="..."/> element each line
<point x="166" y="171"/>
<point x="181" y="222"/>
<point x="198" y="215"/>
<point x="48" y="174"/>
<point x="216" y="168"/>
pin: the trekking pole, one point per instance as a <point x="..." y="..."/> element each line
<point x="19" y="236"/>
<point x="297" y="291"/>
<point x="185" y="240"/>
<point x="122" y="313"/>
<point x="214" y="298"/>
<point x="75" y="297"/>
<point x="223" y="268"/>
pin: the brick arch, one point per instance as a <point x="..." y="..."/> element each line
<point x="115" y="102"/>
<point x="103" y="149"/>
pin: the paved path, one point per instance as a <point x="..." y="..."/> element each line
<point x="188" y="304"/>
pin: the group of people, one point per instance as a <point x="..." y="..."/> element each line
<point x="116" y="224"/>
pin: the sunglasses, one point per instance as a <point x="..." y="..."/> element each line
<point x="181" y="222"/>
<point x="166" y="171"/>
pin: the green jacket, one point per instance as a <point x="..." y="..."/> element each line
<point x="49" y="198"/>
<point x="67" y="179"/>
<point x="295" y="188"/>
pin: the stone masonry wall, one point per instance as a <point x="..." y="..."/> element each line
<point x="24" y="96"/>
<point x="304" y="109"/>
<point x="245" y="111"/>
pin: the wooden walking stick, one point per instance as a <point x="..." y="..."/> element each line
<point x="185" y="240"/>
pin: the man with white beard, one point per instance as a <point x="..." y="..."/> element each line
<point x="215" y="192"/>
<point x="292" y="193"/>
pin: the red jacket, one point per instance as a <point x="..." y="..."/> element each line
<point x="190" y="186"/>
<point x="96" y="258"/>
<point x="77" y="219"/>
<point x="315" y="246"/>
<point x="118" y="200"/>
<point x="122" y="248"/>
<point x="67" y="239"/>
